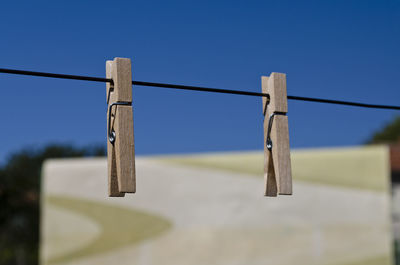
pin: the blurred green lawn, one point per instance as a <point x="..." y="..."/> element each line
<point x="356" y="167"/>
<point x="360" y="168"/>
<point x="133" y="226"/>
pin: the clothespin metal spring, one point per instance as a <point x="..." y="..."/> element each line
<point x="271" y="120"/>
<point x="111" y="132"/>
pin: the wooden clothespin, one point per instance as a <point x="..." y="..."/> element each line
<point x="120" y="140"/>
<point x="277" y="166"/>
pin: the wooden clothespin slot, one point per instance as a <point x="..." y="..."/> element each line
<point x="120" y="139"/>
<point x="277" y="165"/>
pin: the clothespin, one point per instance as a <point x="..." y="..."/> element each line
<point x="277" y="165"/>
<point x="120" y="139"/>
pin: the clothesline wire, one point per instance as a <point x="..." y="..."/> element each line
<point x="197" y="88"/>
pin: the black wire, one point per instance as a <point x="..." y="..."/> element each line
<point x="195" y="88"/>
<point x="62" y="76"/>
<point x="138" y="83"/>
<point x="347" y="103"/>
<point x="205" y="89"/>
<point x="238" y="92"/>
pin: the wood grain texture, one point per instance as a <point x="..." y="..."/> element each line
<point x="121" y="154"/>
<point x="124" y="149"/>
<point x="109" y="86"/>
<point x="281" y="154"/>
<point x="277" y="165"/>
<point x="277" y="91"/>
<point x="264" y="89"/>
<point x="122" y="77"/>
<point x="270" y="181"/>
<point x="113" y="190"/>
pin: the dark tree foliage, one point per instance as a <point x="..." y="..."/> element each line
<point x="20" y="200"/>
<point x="388" y="134"/>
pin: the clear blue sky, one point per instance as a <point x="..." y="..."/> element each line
<point x="348" y="50"/>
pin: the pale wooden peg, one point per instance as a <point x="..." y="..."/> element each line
<point x="277" y="165"/>
<point x="120" y="152"/>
